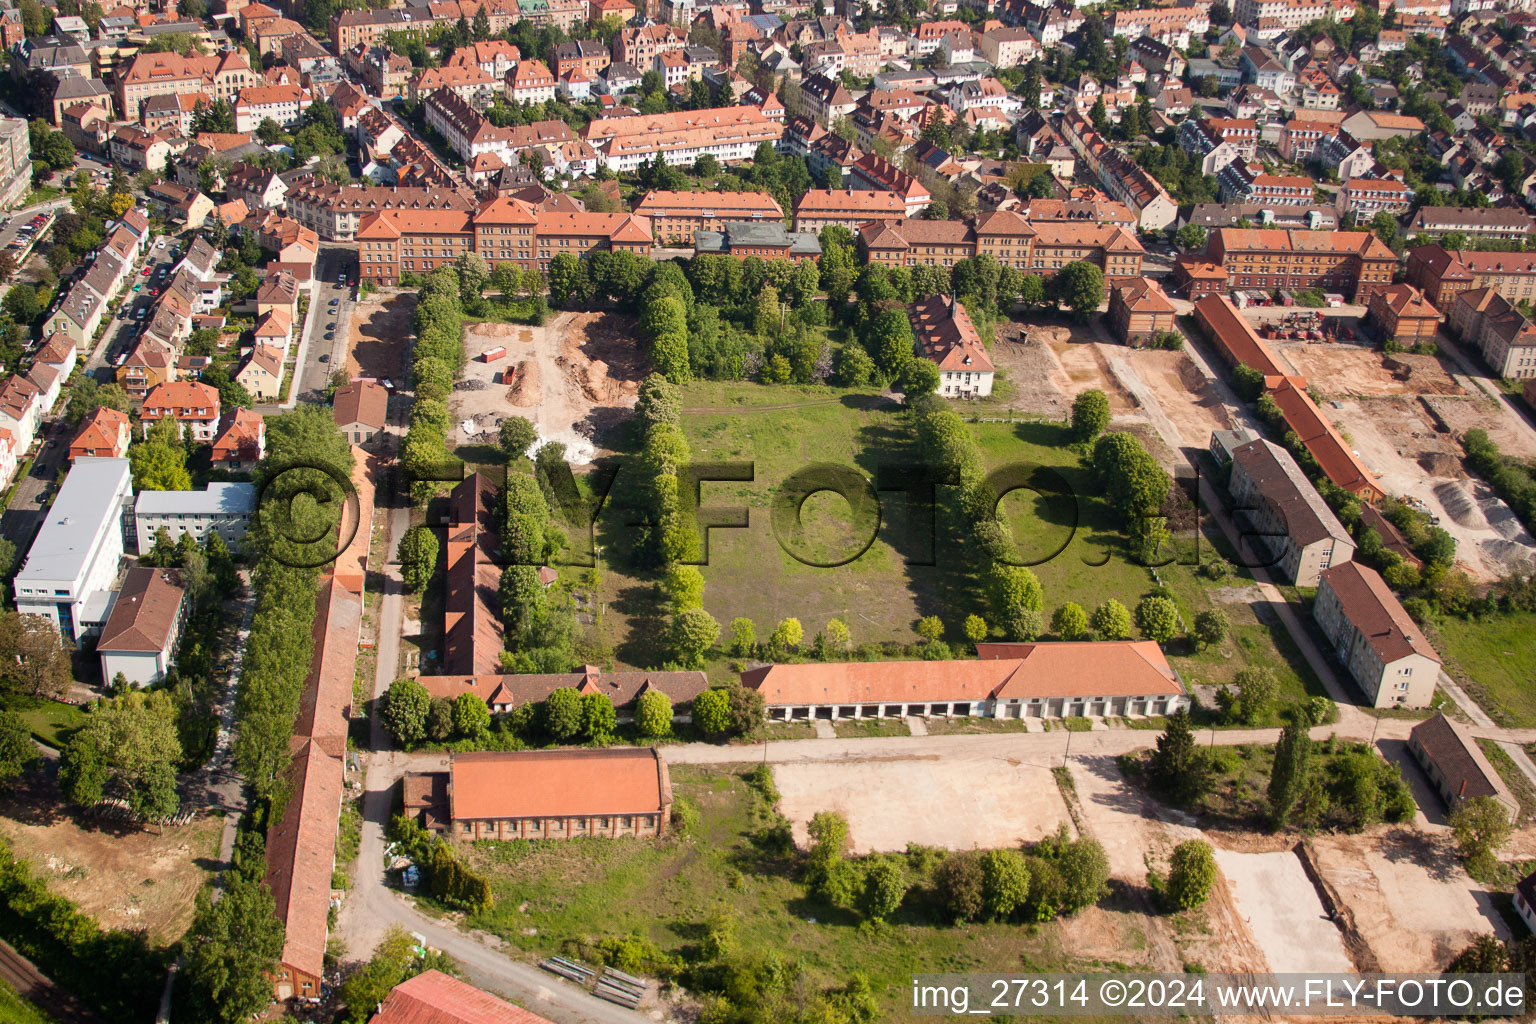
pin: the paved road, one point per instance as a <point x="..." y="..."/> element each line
<point x="123" y="329"/>
<point x="317" y="357"/>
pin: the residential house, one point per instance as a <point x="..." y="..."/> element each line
<point x="224" y="508"/>
<point x="360" y="410"/>
<point x="241" y="441"/>
<point x="1285" y="522"/>
<point x="1384" y="650"/>
<point x="193" y="405"/>
<point x="1139" y="310"/>
<point x="138" y="641"/>
<point x="947" y="338"/>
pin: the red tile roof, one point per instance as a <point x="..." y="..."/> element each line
<point x="557" y="783"/>
<point x="144" y="614"/>
<point x="1333" y="454"/>
<point x="436" y="998"/>
<point x="1003" y="670"/>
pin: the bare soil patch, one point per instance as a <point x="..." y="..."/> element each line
<point x="956" y="802"/>
<point x="1412" y="902"/>
<point x="1177" y="397"/>
<point x="1283" y="912"/>
<point x="571" y="377"/>
<point x="124" y="876"/>
<point x="379" y="336"/>
<point x="1403" y="446"/>
<point x="1335" y="369"/>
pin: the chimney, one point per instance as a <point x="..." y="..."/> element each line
<point x="1462" y="792"/>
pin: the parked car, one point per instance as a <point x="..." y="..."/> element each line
<point x="325" y="357"/>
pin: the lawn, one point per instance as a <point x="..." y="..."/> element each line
<point x="1520" y="786"/>
<point x="582" y="890"/>
<point x="872" y="727"/>
<point x="1494" y="660"/>
<point x="845" y="565"/>
<point x="50" y="721"/>
<point x="16" y="1010"/>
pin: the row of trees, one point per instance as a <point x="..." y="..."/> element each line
<point x="1057" y="877"/>
<point x="281" y="640"/>
<point x="1137" y="487"/>
<point x="436" y="361"/>
<point x="115" y="972"/>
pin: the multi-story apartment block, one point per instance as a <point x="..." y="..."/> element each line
<point x="385" y="72"/>
<point x="222" y="508"/>
<point x="371" y="25"/>
<point x="676" y="216"/>
<point x="1354" y="263"/>
<point x="870" y="171"/>
<point x="1035" y="248"/>
<point x="1218" y="141"/>
<point x="470" y="82"/>
<point x="193" y="405"/>
<point x="639" y="46"/>
<point x="1122" y="178"/>
<point x="1499" y="222"/>
<point x="530" y="81"/>
<point x="1282" y="516"/>
<point x="584" y="55"/>
<point x="495" y="57"/>
<point x="1170" y="25"/>
<point x="334" y="211"/>
<point x="729" y="134"/>
<point x="1366" y="197"/>
<point x="15" y="162"/>
<point x="505" y="230"/>
<point x="280" y="103"/>
<point x="1241" y="182"/>
<point x="160" y="74"/>
<point x="1373" y="636"/>
<point x="849" y="208"/>
<point x="1270" y="18"/>
<point x="1299" y="139"/>
<point x="1440" y="273"/>
<point x="1506" y="339"/>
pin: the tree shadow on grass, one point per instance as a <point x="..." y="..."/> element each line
<point x="645" y="644"/>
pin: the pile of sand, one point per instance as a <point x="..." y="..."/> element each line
<point x="1441" y="464"/>
<point x="489" y="330"/>
<point x="525" y="389"/>
<point x="1459" y="505"/>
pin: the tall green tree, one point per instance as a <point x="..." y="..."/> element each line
<point x="1291" y="773"/>
<point x="1178" y="768"/>
<point x="232" y="950"/>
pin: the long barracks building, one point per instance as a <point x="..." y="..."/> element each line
<point x="505" y="230"/>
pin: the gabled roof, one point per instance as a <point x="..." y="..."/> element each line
<point x="435" y="998"/>
<point x="1285" y="487"/>
<point x="144" y="615"/>
<point x="1370" y="606"/>
<point x="360" y="402"/>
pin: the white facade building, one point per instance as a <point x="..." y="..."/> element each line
<point x="72" y="564"/>
<point x="225" y="507"/>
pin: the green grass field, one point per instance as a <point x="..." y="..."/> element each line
<point x="1494" y="660"/>
<point x="50" y="721"/>
<point x="16" y="1010"/>
<point x="1075" y="538"/>
<point x="585" y="890"/>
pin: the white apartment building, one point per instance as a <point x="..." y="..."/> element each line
<point x="72" y="563"/>
<point x="224" y="508"/>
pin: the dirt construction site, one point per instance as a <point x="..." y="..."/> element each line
<point x="1393" y="898"/>
<point x="1403" y="415"/>
<point x="571" y="377"/>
